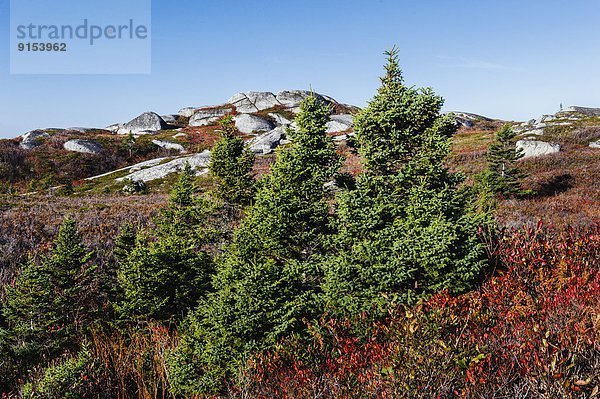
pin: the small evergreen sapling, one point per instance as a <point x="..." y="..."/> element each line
<point x="502" y="176"/>
<point x="167" y="270"/>
<point x="53" y="302"/>
<point x="231" y="164"/>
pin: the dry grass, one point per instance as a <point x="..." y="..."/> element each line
<point x="567" y="184"/>
<point x="28" y="224"/>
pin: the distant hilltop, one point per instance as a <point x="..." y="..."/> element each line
<point x="160" y="145"/>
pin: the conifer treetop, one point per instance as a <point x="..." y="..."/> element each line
<point x="393" y="73"/>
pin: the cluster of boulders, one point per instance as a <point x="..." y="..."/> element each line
<point x="264" y="118"/>
<point x="532" y="132"/>
<point x="36" y="138"/>
<point x="266" y="130"/>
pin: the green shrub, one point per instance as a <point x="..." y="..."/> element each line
<point x="53" y="302"/>
<point x="405" y="230"/>
<point x="267" y="280"/>
<point x="502" y="175"/>
<point x="231" y="164"/>
<point x="166" y="271"/>
<point x="70" y="379"/>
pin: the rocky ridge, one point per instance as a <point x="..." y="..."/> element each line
<point x="533" y="133"/>
<point x="264" y="118"/>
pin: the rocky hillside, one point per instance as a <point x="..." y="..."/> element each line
<point x="561" y="161"/>
<point x="562" y="151"/>
<point x="151" y="146"/>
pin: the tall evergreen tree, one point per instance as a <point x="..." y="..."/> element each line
<point x="502" y="175"/>
<point x="267" y="279"/>
<point x="53" y="302"/>
<point x="405" y="230"/>
<point x="231" y="164"/>
<point x="167" y="270"/>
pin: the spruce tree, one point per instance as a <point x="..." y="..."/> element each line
<point x="167" y="269"/>
<point x="124" y="242"/>
<point x="53" y="302"/>
<point x="405" y="230"/>
<point x="502" y="175"/>
<point x="231" y="164"/>
<point x="267" y="279"/>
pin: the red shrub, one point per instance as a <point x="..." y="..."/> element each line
<point x="531" y="330"/>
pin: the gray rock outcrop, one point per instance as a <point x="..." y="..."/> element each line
<point x="253" y="101"/>
<point x="583" y="110"/>
<point x="199" y="162"/>
<point x="147" y="122"/>
<point x="247" y="123"/>
<point x="339" y="123"/>
<point x="170" y="118"/>
<point x="293" y="98"/>
<point x="467" y="119"/>
<point x="114" y="128"/>
<point x="187" y="111"/>
<point x="167" y="145"/>
<point x="280" y="119"/>
<point x="536" y="148"/>
<point x="208" y="116"/>
<point x="595" y="144"/>
<point x="266" y="143"/>
<point x="83" y="146"/>
<point x="33" y="139"/>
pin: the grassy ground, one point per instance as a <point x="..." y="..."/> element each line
<point x="567" y="184"/>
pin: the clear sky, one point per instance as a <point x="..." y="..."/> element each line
<point x="507" y="59"/>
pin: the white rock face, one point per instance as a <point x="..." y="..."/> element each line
<point x="199" y="162"/>
<point x="114" y="128"/>
<point x="170" y="118"/>
<point x="208" y="116"/>
<point x="583" y="110"/>
<point x="83" y="146"/>
<point x="595" y="144"/>
<point x="343" y="118"/>
<point x="253" y="101"/>
<point x="334" y="127"/>
<point x="247" y="123"/>
<point x="467" y="119"/>
<point x="187" y="111"/>
<point x="131" y="168"/>
<point x="33" y="139"/>
<point x="343" y="137"/>
<point x="293" y="98"/>
<point x="144" y="124"/>
<point x="167" y="145"/>
<point x="266" y="143"/>
<point x="339" y="123"/>
<point x="280" y="119"/>
<point x="535" y="148"/>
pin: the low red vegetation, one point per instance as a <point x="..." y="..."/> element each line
<point x="567" y="190"/>
<point x="200" y="138"/>
<point x="529" y="331"/>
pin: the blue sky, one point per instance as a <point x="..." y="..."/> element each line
<point x="506" y="59"/>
